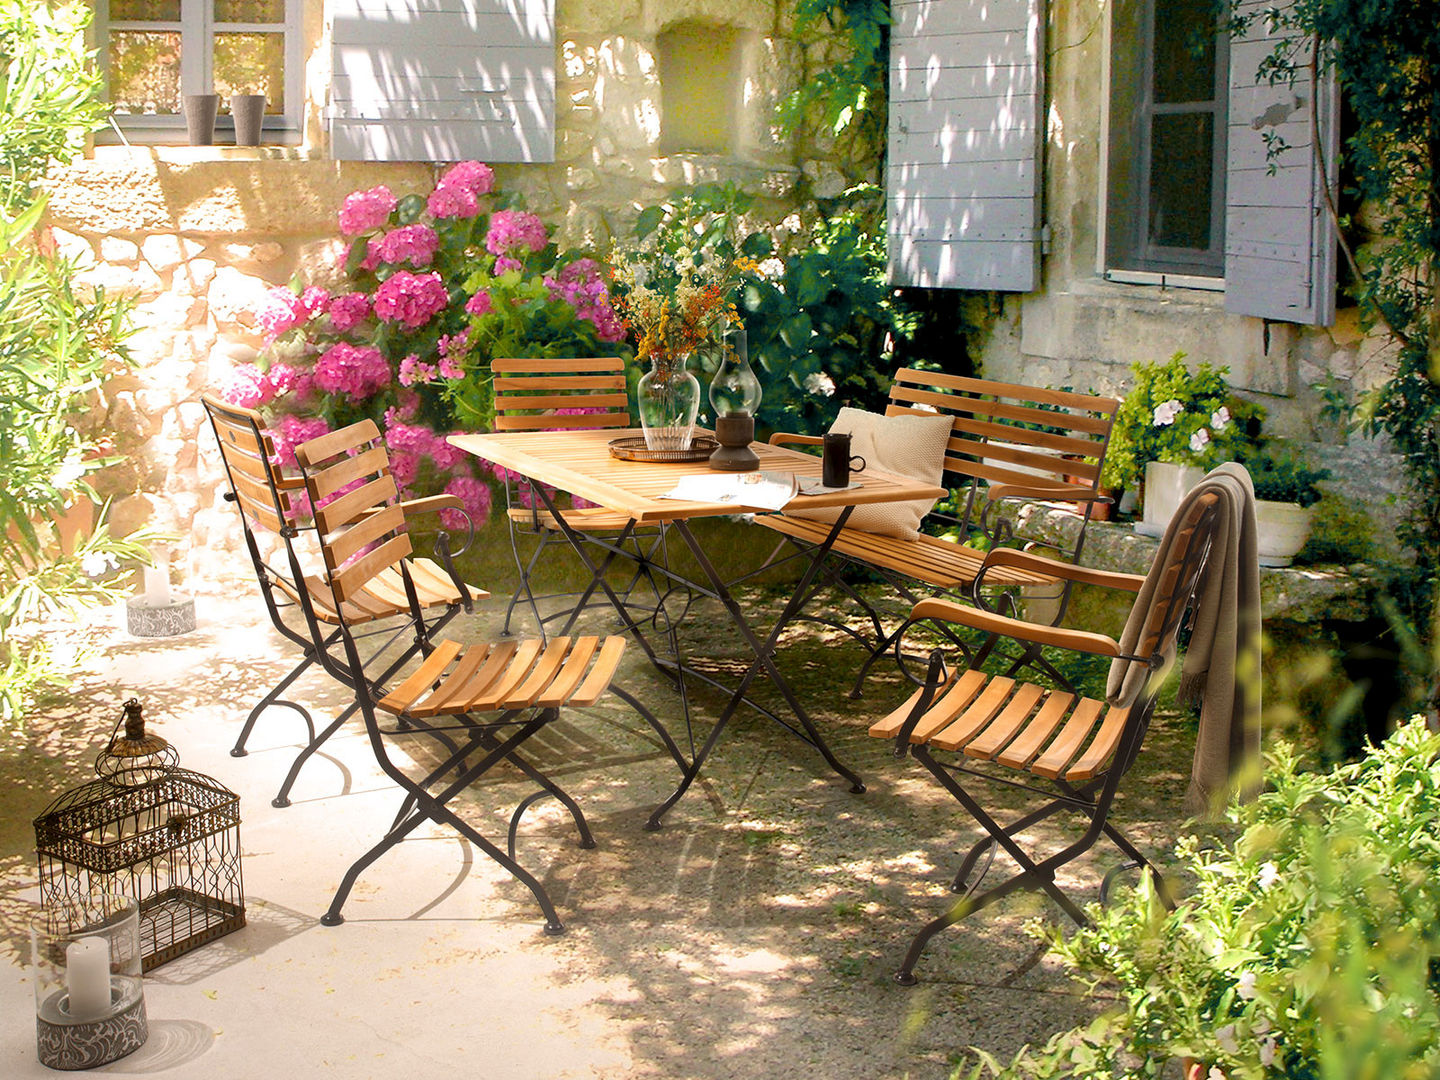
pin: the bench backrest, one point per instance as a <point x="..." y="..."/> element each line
<point x="1009" y="433"/>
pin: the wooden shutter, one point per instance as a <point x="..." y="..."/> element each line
<point x="963" y="173"/>
<point x="1280" y="244"/>
<point x="442" y="80"/>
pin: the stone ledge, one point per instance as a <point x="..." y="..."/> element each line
<point x="1298" y="594"/>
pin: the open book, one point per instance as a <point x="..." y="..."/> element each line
<point x="754" y="490"/>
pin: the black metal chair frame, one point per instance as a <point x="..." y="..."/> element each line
<point x="1092" y="800"/>
<point x="319" y="637"/>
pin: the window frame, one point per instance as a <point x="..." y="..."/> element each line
<point x="1154" y="264"/>
<point x="197" y="72"/>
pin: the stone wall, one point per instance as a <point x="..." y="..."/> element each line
<point x="197" y="235"/>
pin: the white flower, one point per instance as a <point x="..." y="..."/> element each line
<point x="1216" y="1073"/>
<point x="1261" y="1026"/>
<point x="1219" y="418"/>
<point x="1268" y="875"/>
<point x="1166" y="412"/>
<point x="817" y="382"/>
<point x="792" y="223"/>
<point x="71" y="469"/>
<point x="1199" y="440"/>
<point x="1245" y="986"/>
<point x="96" y="563"/>
<point x="772" y="268"/>
<point x="1225" y="1036"/>
<point x="1267" y="1051"/>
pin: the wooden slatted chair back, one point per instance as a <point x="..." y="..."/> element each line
<point x="355" y="502"/>
<point x="1177" y="577"/>
<point x="538" y="394"/>
<point x="248" y="454"/>
<point x="1007" y="433"/>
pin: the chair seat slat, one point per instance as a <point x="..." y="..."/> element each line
<point x="443" y="697"/>
<point x="1009" y="720"/>
<point x="544" y="670"/>
<point x="422" y="678"/>
<point x="515" y="673"/>
<point x="1101" y="748"/>
<point x="1059" y="753"/>
<point x="963" y="727"/>
<point x="1019" y="753"/>
<point x="948" y="706"/>
<point x="601" y="674"/>
<point x="569" y="676"/>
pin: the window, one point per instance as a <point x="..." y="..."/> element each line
<point x="155" y="52"/>
<point x="1165" y="198"/>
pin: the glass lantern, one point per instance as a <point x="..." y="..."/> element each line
<point x="734" y="396"/>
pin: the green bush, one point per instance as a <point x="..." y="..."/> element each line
<point x="1309" y="947"/>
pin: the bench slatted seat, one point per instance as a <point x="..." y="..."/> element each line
<point x="1009" y="444"/>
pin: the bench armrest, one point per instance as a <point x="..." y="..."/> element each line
<point x="990" y="622"/>
<point x="1048" y="492"/>
<point x="780" y="438"/>
<point x="1085" y="575"/>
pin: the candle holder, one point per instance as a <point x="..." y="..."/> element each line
<point x="89" y="998"/>
<point x="734" y="395"/>
<point x="158" y="611"/>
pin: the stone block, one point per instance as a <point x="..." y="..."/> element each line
<point x="171" y="311"/>
<point x="194" y="277"/>
<point x="138" y="281"/>
<point x="322" y="262"/>
<point x="74" y="248"/>
<point x="165" y="251"/>
<point x="132" y="512"/>
<point x="598" y="16"/>
<point x="234" y="297"/>
<point x="757" y="15"/>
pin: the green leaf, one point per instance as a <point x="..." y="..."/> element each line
<point x="648" y="220"/>
<point x="409" y="209"/>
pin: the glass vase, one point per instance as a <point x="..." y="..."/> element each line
<point x="668" y="400"/>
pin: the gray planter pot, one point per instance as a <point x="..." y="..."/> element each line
<point x="200" y="111"/>
<point x="248" y="111"/>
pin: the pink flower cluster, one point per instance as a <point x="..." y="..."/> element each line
<point x="475" y="494"/>
<point x="366" y="210"/>
<point x="458" y="192"/>
<point x="357" y="371"/>
<point x="512" y="230"/>
<point x="290" y="431"/>
<point x="249" y="387"/>
<point x="282" y="309"/>
<point x="415" y="244"/>
<point x="348" y="311"/>
<point x="414" y="370"/>
<point x="411" y="299"/>
<point x="583" y="287"/>
<point x="480" y="304"/>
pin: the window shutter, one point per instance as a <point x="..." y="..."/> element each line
<point x="1280" y="243"/>
<point x="442" y="80"/>
<point x="963" y="175"/>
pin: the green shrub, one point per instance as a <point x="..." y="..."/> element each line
<point x="1309" y="947"/>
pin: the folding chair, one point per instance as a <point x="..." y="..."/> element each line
<point x="1082" y="746"/>
<point x="490" y="699"/>
<point x="263" y="497"/>
<point x="558" y="394"/>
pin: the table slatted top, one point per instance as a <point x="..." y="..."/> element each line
<point x="580" y="462"/>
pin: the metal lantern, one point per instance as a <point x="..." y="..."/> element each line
<point x="151" y="830"/>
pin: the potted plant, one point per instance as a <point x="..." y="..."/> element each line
<point x="1285" y="492"/>
<point x="1307" y="947"/>
<point x="1181" y="420"/>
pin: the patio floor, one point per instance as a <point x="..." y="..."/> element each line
<point x="753" y="936"/>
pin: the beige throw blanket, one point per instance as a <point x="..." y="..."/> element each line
<point x="1222" y="662"/>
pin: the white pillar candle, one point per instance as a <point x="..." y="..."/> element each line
<point x="87" y="977"/>
<point x="157" y="584"/>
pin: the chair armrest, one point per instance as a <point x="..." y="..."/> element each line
<point x="989" y="622"/>
<point x="780" y="438"/>
<point x="1040" y="564"/>
<point x="432" y="504"/>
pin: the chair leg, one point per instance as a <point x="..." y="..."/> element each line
<point x="282" y="797"/>
<point x="274" y="698"/>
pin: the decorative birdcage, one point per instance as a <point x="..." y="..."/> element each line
<point x="149" y="829"/>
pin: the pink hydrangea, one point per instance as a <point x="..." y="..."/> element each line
<point x="504" y="264"/>
<point x="290" y="431"/>
<point x="411" y="299"/>
<point x="404" y="467"/>
<point x="366" y="210"/>
<point x="282" y="310"/>
<point x="471" y="175"/>
<point x="283" y="378"/>
<point x="452" y="202"/>
<point x="450" y="368"/>
<point x="582" y="286"/>
<point x="475" y="494"/>
<point x="348" y="311"/>
<point x="512" y="230"/>
<point x="415" y="244"/>
<point x="247" y="387"/>
<point x="413" y="370"/>
<point x="358" y="371"/>
<point x="480" y="304"/>
<point x="372" y="254"/>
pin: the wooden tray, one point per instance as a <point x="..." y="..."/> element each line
<point x="633" y="448"/>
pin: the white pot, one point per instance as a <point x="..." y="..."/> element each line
<point x="1165" y="486"/>
<point x="1282" y="530"/>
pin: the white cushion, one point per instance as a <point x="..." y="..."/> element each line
<point x="903" y="445"/>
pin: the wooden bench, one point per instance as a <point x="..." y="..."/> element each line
<point x="1009" y="444"/>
